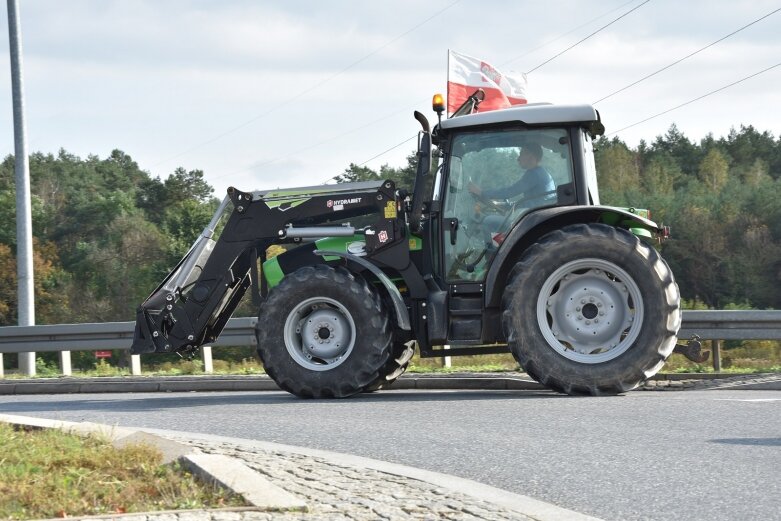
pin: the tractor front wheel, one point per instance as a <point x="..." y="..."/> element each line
<point x="323" y="333"/>
<point x="590" y="309"/>
<point x="396" y="366"/>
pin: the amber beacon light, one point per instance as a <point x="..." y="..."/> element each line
<point x="438" y="103"/>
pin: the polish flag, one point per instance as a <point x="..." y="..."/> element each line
<point x="467" y="74"/>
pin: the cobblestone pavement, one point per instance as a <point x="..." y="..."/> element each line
<point x="708" y="383"/>
<point x="336" y="492"/>
<point x="661" y="382"/>
<point x="344" y="493"/>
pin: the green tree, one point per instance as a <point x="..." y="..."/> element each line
<point x="713" y="170"/>
<point x="748" y="144"/>
<point x="677" y="146"/>
<point x="754" y="174"/>
<point x="754" y="263"/>
<point x="355" y="173"/>
<point x="49" y="285"/>
<point x="698" y="252"/>
<point x="106" y="220"/>
<point x="661" y="175"/>
<point x="404" y="176"/>
<point x="618" y="169"/>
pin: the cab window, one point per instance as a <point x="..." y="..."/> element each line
<point x="494" y="179"/>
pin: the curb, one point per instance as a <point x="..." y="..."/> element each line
<point x="414" y="381"/>
<point x="150" y="384"/>
<point x="156" y="384"/>
<point x="226" y="472"/>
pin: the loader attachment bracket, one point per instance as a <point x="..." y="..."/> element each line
<point x="239" y="199"/>
<point x="143" y="341"/>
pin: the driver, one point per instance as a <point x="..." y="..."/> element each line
<point x="535" y="188"/>
<point x="536" y="181"/>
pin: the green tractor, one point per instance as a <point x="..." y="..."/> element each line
<point x="501" y="246"/>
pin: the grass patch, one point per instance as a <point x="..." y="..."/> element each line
<point x="495" y="363"/>
<point x="180" y="368"/>
<point x="737" y="357"/>
<point x="48" y="473"/>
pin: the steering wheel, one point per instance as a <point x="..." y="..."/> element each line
<point x="501" y="209"/>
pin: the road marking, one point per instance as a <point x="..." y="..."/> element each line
<point x="747" y="399"/>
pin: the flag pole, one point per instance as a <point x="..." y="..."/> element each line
<point x="447" y="85"/>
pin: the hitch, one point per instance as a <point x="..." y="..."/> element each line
<point x="692" y="350"/>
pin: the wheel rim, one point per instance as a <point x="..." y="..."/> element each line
<point x="590" y="311"/>
<point x="319" y="333"/>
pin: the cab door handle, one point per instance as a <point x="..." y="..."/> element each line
<point x="453" y="226"/>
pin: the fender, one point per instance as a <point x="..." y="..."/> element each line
<point x="402" y="315"/>
<point x="536" y="224"/>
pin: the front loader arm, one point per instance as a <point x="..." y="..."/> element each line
<point x="194" y="302"/>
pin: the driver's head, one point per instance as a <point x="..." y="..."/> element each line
<point x="530" y="155"/>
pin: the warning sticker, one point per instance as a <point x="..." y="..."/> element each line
<point x="390" y="210"/>
<point x="382" y="236"/>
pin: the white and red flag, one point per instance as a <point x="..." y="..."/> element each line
<point x="466" y="74"/>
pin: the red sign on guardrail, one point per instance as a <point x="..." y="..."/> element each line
<point x="102" y="354"/>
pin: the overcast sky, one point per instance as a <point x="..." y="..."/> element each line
<point x="288" y="93"/>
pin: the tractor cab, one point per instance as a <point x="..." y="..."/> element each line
<point x="497" y="168"/>
<point x="504" y="179"/>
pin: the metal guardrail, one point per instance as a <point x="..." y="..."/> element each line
<point x="106" y="335"/>
<point x="708" y="325"/>
<point x="731" y="325"/>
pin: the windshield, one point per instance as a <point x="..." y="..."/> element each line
<point x="494" y="179"/>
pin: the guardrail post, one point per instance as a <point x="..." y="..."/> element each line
<point x="2" y="370"/>
<point x="716" y="348"/>
<point x="447" y="360"/>
<point x="208" y="366"/>
<point x="27" y="363"/>
<point x="135" y="365"/>
<point x="65" y="363"/>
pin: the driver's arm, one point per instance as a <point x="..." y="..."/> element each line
<point x="506" y="192"/>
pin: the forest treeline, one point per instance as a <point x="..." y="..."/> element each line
<point x="106" y="232"/>
<point x="722" y="199"/>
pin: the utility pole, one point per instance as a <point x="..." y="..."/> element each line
<point x="24" y="222"/>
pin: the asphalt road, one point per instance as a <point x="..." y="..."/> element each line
<point x="695" y="455"/>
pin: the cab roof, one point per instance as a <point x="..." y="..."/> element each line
<point x="531" y="114"/>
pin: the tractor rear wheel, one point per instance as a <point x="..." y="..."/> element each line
<point x="323" y="333"/>
<point x="590" y="309"/>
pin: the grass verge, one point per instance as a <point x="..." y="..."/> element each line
<point x="745" y="357"/>
<point x="48" y="473"/>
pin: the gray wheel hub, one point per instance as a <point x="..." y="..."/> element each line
<point x="590" y="311"/>
<point x="319" y="333"/>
